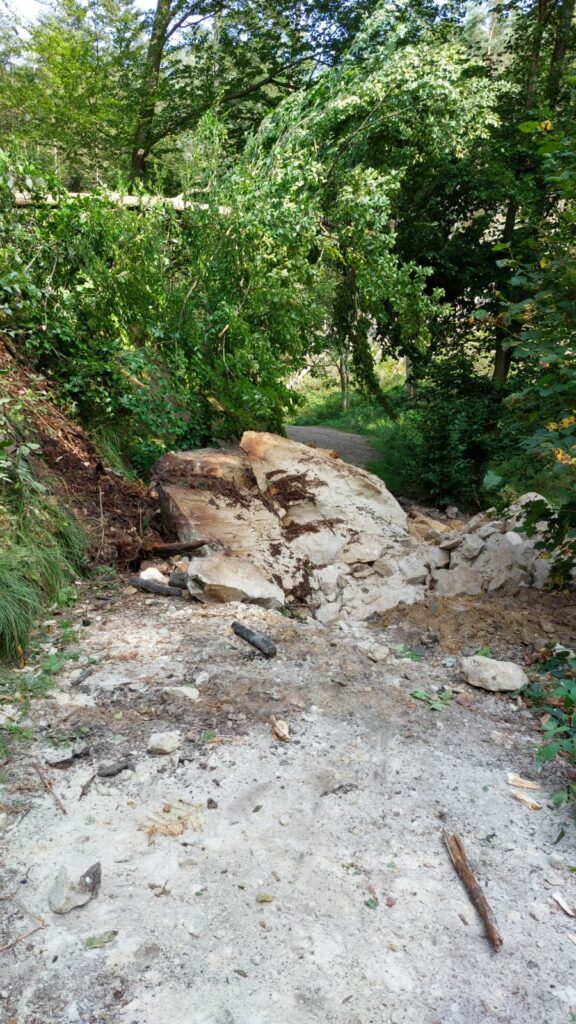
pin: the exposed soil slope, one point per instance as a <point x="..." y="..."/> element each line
<point x="115" y="511"/>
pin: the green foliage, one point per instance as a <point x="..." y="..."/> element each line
<point x="164" y="329"/>
<point x="556" y="696"/>
<point x="42" y="546"/>
<point x="19" y="688"/>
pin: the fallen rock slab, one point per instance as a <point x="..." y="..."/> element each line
<point x="222" y="578"/>
<point x="489" y="674"/>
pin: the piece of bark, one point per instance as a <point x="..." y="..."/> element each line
<point x="108" y="771"/>
<point x="154" y="588"/>
<point x="455" y="848"/>
<point x="260" y="641"/>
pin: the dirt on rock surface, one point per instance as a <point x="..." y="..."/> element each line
<point x="251" y="881"/>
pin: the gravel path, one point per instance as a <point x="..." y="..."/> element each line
<point x="353" y="448"/>
<point x="247" y="881"/>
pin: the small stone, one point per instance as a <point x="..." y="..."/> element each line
<point x="67" y="893"/>
<point x="471" y="547"/>
<point x="378" y="653"/>
<point x="284" y="819"/>
<point x="189" y="692"/>
<point x="328" y="613"/>
<point x="486" y="531"/>
<point x="556" y="860"/>
<point x="450" y="543"/>
<point x="63" y="757"/>
<point x="556" y="881"/>
<point x="461" y="580"/>
<point x="489" y="674"/>
<point x="153" y="574"/>
<point x="163" y="742"/>
<point x="539" y="911"/>
<point x="413" y="569"/>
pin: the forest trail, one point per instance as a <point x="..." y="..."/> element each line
<point x="250" y="881"/>
<point x="353" y="448"/>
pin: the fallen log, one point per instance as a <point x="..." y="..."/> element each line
<point x="458" y="857"/>
<point x="260" y="641"/>
<point x="155" y="588"/>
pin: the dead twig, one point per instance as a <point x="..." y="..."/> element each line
<point x="48" y="788"/>
<point x="20" y="938"/>
<point x="86" y="786"/>
<point x="455" y="848"/>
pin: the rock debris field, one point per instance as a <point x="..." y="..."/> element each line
<point x="199" y="834"/>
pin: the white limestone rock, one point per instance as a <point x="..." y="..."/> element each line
<point x="489" y="674"/>
<point x="221" y="578"/>
<point x="163" y="742"/>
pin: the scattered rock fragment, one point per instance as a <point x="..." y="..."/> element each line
<point x="67" y="893"/>
<point x="280" y="730"/>
<point x="471" y="546"/>
<point x="489" y="674"/>
<point x="188" y="692"/>
<point x="163" y="742"/>
<point x="154" y="575"/>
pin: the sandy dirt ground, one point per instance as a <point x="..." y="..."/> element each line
<point x="250" y="881"/>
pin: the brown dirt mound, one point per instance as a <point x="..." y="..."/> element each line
<point x="529" y="618"/>
<point x="116" y="512"/>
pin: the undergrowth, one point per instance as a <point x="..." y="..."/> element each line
<point x="42" y="545"/>
<point x="555" y="695"/>
<point x="19" y="687"/>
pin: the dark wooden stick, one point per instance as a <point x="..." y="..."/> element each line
<point x="260" y="641"/>
<point x="460" y="861"/>
<point x="155" y="588"/>
<point x="172" y="547"/>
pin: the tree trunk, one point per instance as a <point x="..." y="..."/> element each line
<point x="502" y="362"/>
<point x="563" y="44"/>
<point x="503" y="356"/>
<point x="143" y="136"/>
<point x="344" y="381"/>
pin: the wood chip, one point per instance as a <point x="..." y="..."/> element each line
<point x="528" y="802"/>
<point x="517" y="780"/>
<point x="559" y="899"/>
<point x="280" y="730"/>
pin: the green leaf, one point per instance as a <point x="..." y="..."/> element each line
<point x="98" y="941"/>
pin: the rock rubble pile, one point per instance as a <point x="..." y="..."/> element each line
<point x="285" y="524"/>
